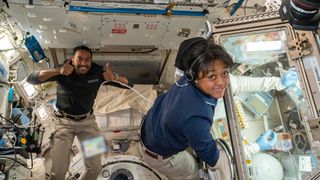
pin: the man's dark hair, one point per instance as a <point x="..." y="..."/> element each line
<point x="85" y="48"/>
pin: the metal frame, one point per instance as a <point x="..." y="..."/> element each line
<point x="310" y="89"/>
<point x="241" y="27"/>
<point x="226" y="148"/>
<point x="238" y="151"/>
<point x="311" y="76"/>
<point x="247" y="22"/>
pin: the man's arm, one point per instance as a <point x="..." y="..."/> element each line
<point x="42" y="76"/>
<point x="47" y="75"/>
<point x="108" y="75"/>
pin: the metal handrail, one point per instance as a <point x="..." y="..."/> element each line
<point x="226" y="148"/>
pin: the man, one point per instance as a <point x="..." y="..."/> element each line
<point x="78" y="82"/>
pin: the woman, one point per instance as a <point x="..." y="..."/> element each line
<point x="182" y="117"/>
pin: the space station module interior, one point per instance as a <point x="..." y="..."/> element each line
<point x="269" y="41"/>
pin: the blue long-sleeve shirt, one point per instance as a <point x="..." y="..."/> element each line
<point x="180" y="118"/>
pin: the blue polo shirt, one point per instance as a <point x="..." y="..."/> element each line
<point x="180" y="118"/>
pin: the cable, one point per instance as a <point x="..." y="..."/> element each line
<point x="31" y="160"/>
<point x="33" y="119"/>
<point x="236" y="7"/>
<point x="15" y="160"/>
<point x="15" y="138"/>
<point x="8" y="30"/>
<point x="125" y="85"/>
<point x="245" y="7"/>
<point x="24" y="165"/>
<point x="14" y="151"/>
<point x="15" y="126"/>
<point x="25" y="126"/>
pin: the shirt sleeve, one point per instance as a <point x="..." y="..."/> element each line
<point x="254" y="84"/>
<point x="33" y="78"/>
<point x="250" y="149"/>
<point x="197" y="131"/>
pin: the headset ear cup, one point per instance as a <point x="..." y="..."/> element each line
<point x="189" y="75"/>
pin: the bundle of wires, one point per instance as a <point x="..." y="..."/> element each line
<point x="9" y="146"/>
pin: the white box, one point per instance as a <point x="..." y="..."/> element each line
<point x="119" y="120"/>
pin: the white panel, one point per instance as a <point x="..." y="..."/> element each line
<point x="55" y="35"/>
<point x="171" y="38"/>
<point x="51" y="26"/>
<point x="149" y="32"/>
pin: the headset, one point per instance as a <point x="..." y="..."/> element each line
<point x="191" y="75"/>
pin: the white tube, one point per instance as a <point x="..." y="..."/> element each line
<point x="265" y="122"/>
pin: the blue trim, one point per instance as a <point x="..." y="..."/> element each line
<point x="236" y="7"/>
<point x="134" y="11"/>
<point x="211" y="104"/>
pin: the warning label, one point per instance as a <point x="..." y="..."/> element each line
<point x="119" y="28"/>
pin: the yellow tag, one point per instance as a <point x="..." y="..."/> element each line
<point x="245" y="141"/>
<point x="23" y="140"/>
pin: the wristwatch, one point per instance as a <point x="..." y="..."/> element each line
<point x="116" y="75"/>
